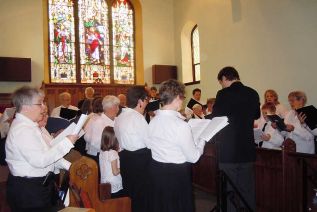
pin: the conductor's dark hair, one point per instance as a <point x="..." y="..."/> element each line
<point x="229" y="72"/>
<point x="109" y="140"/>
<point x="196" y="90"/>
<point x="170" y="89"/>
<point x="134" y="94"/>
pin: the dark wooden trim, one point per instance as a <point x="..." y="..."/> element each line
<point x="192" y="83"/>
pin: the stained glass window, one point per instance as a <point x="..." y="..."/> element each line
<point x="62" y="40"/>
<point x="195" y="54"/>
<point x="94" y="41"/>
<point x="123" y="42"/>
<point x="91" y="56"/>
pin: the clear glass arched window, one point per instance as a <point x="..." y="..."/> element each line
<point x="195" y="54"/>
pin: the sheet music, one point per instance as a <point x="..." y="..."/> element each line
<point x="205" y="129"/>
<point x="82" y="120"/>
<point x="257" y="135"/>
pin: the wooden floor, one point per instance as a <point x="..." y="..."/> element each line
<point x="3" y="178"/>
<point x="204" y="202"/>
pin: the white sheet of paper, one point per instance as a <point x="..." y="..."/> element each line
<point x="8" y="113"/>
<point x="68" y="131"/>
<point x="205" y="129"/>
<point x="82" y="120"/>
<point x="257" y="135"/>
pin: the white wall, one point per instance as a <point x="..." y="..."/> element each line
<point x="273" y="44"/>
<point x="21" y="35"/>
<point x="158" y="35"/>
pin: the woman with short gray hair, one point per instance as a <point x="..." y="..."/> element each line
<point x="30" y="160"/>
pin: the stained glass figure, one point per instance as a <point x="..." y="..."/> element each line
<point x="93" y="47"/>
<point x="123" y="42"/>
<point x="94" y="41"/>
<point x="62" y="39"/>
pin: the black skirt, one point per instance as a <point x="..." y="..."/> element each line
<point x="28" y="194"/>
<point x="171" y="187"/>
<point x="134" y="167"/>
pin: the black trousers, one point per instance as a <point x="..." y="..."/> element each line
<point x="134" y="171"/>
<point x="28" y="194"/>
<point x="243" y="177"/>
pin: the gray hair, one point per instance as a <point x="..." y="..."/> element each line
<point x="25" y="96"/>
<point x="109" y="101"/>
<point x="197" y="106"/>
<point x="61" y="95"/>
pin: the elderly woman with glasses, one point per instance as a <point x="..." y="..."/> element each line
<point x="30" y="159"/>
<point x="173" y="150"/>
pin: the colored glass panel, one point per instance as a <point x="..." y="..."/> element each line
<point x="94" y="41"/>
<point x="123" y="42"/>
<point x="62" y="41"/>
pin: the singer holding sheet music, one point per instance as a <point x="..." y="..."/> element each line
<point x="173" y="150"/>
<point x="65" y="100"/>
<point x="297" y="131"/>
<point x="235" y="143"/>
<point x="30" y="159"/>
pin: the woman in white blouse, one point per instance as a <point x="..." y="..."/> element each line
<point x="271" y="96"/>
<point x="173" y="150"/>
<point x="30" y="159"/>
<point x="298" y="132"/>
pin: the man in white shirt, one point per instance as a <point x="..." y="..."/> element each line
<point x="65" y="100"/>
<point x="131" y="130"/>
<point x="30" y="159"/>
<point x="98" y="122"/>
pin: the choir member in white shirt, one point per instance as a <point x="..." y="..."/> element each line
<point x="196" y="96"/>
<point x="29" y="157"/>
<point x="272" y="138"/>
<point x="132" y="130"/>
<point x="270" y="95"/>
<point x="109" y="162"/>
<point x="65" y="100"/>
<point x="61" y="163"/>
<point x="98" y="122"/>
<point x="198" y="112"/>
<point x="303" y="138"/>
<point x="210" y="103"/>
<point x="173" y="150"/>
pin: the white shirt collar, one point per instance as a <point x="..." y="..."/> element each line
<point x="20" y="116"/>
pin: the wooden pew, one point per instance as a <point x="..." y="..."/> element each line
<point x="284" y="179"/>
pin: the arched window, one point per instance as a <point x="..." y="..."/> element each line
<point x="91" y="41"/>
<point x="195" y="54"/>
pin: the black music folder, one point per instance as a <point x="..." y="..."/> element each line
<point x="192" y="102"/>
<point x="311" y="116"/>
<point x="68" y="113"/>
<point x="279" y="122"/>
<point x="153" y="106"/>
<point x="55" y="124"/>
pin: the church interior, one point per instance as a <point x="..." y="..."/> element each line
<point x="271" y="43"/>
